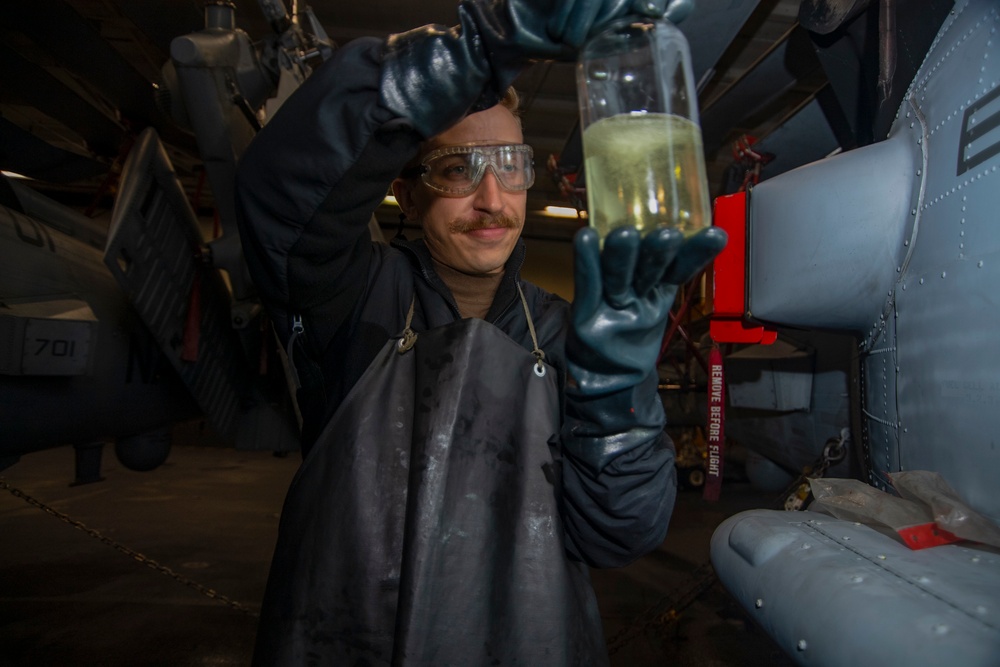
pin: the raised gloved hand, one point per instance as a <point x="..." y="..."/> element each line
<point x="618" y="475"/>
<point x="432" y="76"/>
<point x="557" y="28"/>
<point x="623" y="299"/>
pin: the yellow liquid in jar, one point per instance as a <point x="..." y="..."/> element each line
<point x="645" y="170"/>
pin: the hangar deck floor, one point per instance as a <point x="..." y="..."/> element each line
<point x="83" y="594"/>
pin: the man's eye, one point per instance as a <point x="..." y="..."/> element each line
<point x="455" y="171"/>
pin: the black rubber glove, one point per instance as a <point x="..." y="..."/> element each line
<point x="432" y="76"/>
<point x="619" y="482"/>
<point x="623" y="297"/>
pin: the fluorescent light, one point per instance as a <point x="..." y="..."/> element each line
<point x="10" y="174"/>
<point x="390" y="201"/>
<point x="563" y="212"/>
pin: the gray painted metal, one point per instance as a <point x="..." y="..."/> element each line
<point x="825" y="239"/>
<point x="211" y="65"/>
<point x="899" y="243"/>
<point x="791" y="433"/>
<point x="896" y="241"/>
<point x="63" y="314"/>
<point x="49" y="337"/>
<point x="880" y="418"/>
<point x="945" y="305"/>
<point x="836" y="593"/>
<point x="224" y="82"/>
<point x="770" y="377"/>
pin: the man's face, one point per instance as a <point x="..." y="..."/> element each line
<point x="476" y="233"/>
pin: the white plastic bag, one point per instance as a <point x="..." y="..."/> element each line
<point x="948" y="510"/>
<point x="853" y="500"/>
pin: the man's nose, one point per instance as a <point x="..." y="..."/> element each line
<point x="489" y="194"/>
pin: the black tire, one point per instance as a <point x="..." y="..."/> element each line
<point x="143" y="452"/>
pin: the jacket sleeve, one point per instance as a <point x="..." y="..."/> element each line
<point x="619" y="480"/>
<point x="307" y="186"/>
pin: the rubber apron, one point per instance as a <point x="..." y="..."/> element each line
<point x="424" y="527"/>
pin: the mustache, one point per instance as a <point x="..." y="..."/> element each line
<point x="499" y="220"/>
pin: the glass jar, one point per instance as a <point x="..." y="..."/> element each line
<point x="644" y="164"/>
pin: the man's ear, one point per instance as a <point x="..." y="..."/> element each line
<point x="403" y="191"/>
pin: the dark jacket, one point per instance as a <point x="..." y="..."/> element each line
<point x="307" y="187"/>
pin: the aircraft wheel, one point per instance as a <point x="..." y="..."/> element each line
<point x="144" y="451"/>
<point x="695" y="477"/>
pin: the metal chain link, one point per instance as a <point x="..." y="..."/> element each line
<point x="796" y="496"/>
<point x="667" y="610"/>
<point x="135" y="555"/>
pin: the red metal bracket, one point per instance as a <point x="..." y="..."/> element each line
<point x="728" y="324"/>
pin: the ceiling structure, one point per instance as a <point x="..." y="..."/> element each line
<point x="77" y="84"/>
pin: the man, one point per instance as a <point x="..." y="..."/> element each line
<point x="470" y="228"/>
<point x="473" y="442"/>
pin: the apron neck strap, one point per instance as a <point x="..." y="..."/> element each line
<point x="537" y="351"/>
<point x="410" y="336"/>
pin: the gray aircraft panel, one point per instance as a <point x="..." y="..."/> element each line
<point x="838" y="593"/>
<point x="151" y="252"/>
<point x="922" y="205"/>
<point x="849" y="237"/>
<point x="881" y="421"/>
<point x="889" y="216"/>
<point x="955" y="252"/>
<point x="948" y="418"/>
<point x="807" y="370"/>
<point x="942" y="93"/>
<point x="62" y="307"/>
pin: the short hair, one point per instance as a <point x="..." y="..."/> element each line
<point x="511" y="101"/>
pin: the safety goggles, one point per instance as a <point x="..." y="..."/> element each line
<point x="456" y="171"/>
